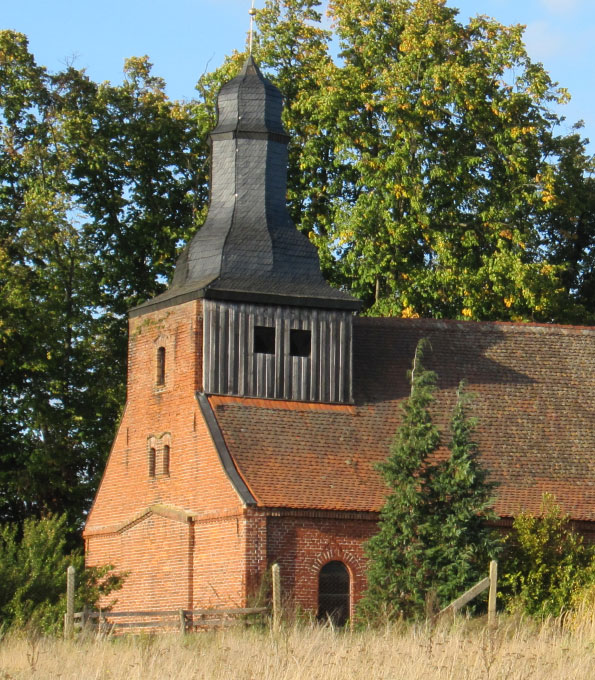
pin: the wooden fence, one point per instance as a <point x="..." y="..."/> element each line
<point x="174" y="620"/>
<point x="182" y="620"/>
<point x="490" y="582"/>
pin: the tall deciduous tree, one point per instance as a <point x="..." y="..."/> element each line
<point x="431" y="175"/>
<point x="432" y="539"/>
<point x="98" y="187"/>
<point x="49" y="400"/>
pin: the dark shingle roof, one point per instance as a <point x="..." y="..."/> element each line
<point x="248" y="248"/>
<point x="534" y="390"/>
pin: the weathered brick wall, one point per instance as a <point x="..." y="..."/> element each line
<point x="155" y="416"/>
<point x="256" y="560"/>
<point x="219" y="562"/>
<point x="303" y="545"/>
<point x="154" y="554"/>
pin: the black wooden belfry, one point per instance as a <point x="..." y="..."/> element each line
<point x="273" y="327"/>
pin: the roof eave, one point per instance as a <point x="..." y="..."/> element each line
<point x="176" y="297"/>
<point x="225" y="457"/>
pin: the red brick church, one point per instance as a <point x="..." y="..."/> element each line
<point x="259" y="402"/>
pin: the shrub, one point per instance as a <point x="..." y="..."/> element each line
<point x="33" y="564"/>
<point x="547" y="564"/>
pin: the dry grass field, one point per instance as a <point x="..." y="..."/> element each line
<point x="460" y="650"/>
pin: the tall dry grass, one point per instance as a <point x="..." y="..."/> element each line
<point x="517" y="650"/>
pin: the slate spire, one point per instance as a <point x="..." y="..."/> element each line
<point x="248" y="249"/>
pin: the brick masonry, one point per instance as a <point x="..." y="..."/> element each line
<point x="302" y="544"/>
<point x="184" y="539"/>
<point x="167" y="532"/>
<point x="183" y="533"/>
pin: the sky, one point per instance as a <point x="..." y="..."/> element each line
<point x="184" y="38"/>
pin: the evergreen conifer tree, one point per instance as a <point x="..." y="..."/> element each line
<point x="459" y="545"/>
<point x="395" y="579"/>
<point x="432" y="538"/>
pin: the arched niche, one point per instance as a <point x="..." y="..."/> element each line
<point x="334" y="593"/>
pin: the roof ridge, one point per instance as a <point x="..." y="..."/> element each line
<point x="468" y="324"/>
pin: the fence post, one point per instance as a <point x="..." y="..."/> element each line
<point x="182" y="622"/>
<point x="276" y="573"/>
<point x="69" y="616"/>
<point x="493" y="593"/>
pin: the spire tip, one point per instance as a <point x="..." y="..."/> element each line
<point x="252" y="13"/>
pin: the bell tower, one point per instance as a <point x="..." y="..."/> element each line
<point x="272" y="327"/>
<point x="247" y="315"/>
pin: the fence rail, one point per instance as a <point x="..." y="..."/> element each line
<point x="182" y="620"/>
<point x="185" y="620"/>
<point x="490" y="582"/>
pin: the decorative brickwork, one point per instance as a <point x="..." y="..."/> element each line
<point x="302" y="545"/>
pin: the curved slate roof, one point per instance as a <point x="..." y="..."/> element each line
<point x="248" y="249"/>
<point x="534" y="398"/>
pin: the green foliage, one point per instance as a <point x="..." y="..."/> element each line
<point x="432" y="540"/>
<point x="33" y="564"/>
<point x="547" y="566"/>
<point x="426" y="168"/>
<point x="97" y="190"/>
<point x="462" y="503"/>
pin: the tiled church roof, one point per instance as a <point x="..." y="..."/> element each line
<point x="534" y="388"/>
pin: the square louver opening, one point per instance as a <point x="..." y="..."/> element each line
<point x="264" y="340"/>
<point x="300" y="343"/>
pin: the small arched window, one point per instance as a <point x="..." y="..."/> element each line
<point x="152" y="459"/>
<point x="166" y="460"/>
<point x="161" y="366"/>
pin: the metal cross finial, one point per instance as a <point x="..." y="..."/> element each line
<point x="252" y="13"/>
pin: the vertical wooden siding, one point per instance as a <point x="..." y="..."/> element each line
<point x="232" y="367"/>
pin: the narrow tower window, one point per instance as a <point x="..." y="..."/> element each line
<point x="300" y="343"/>
<point x="166" y="460"/>
<point x="161" y="366"/>
<point x="264" y="340"/>
<point x="152" y="458"/>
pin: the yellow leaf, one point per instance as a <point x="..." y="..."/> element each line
<point x="409" y="313"/>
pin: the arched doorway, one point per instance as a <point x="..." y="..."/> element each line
<point x="333" y="593"/>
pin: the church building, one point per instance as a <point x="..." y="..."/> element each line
<point x="259" y="403"/>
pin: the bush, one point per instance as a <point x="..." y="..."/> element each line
<point x="33" y="565"/>
<point x="547" y="564"/>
